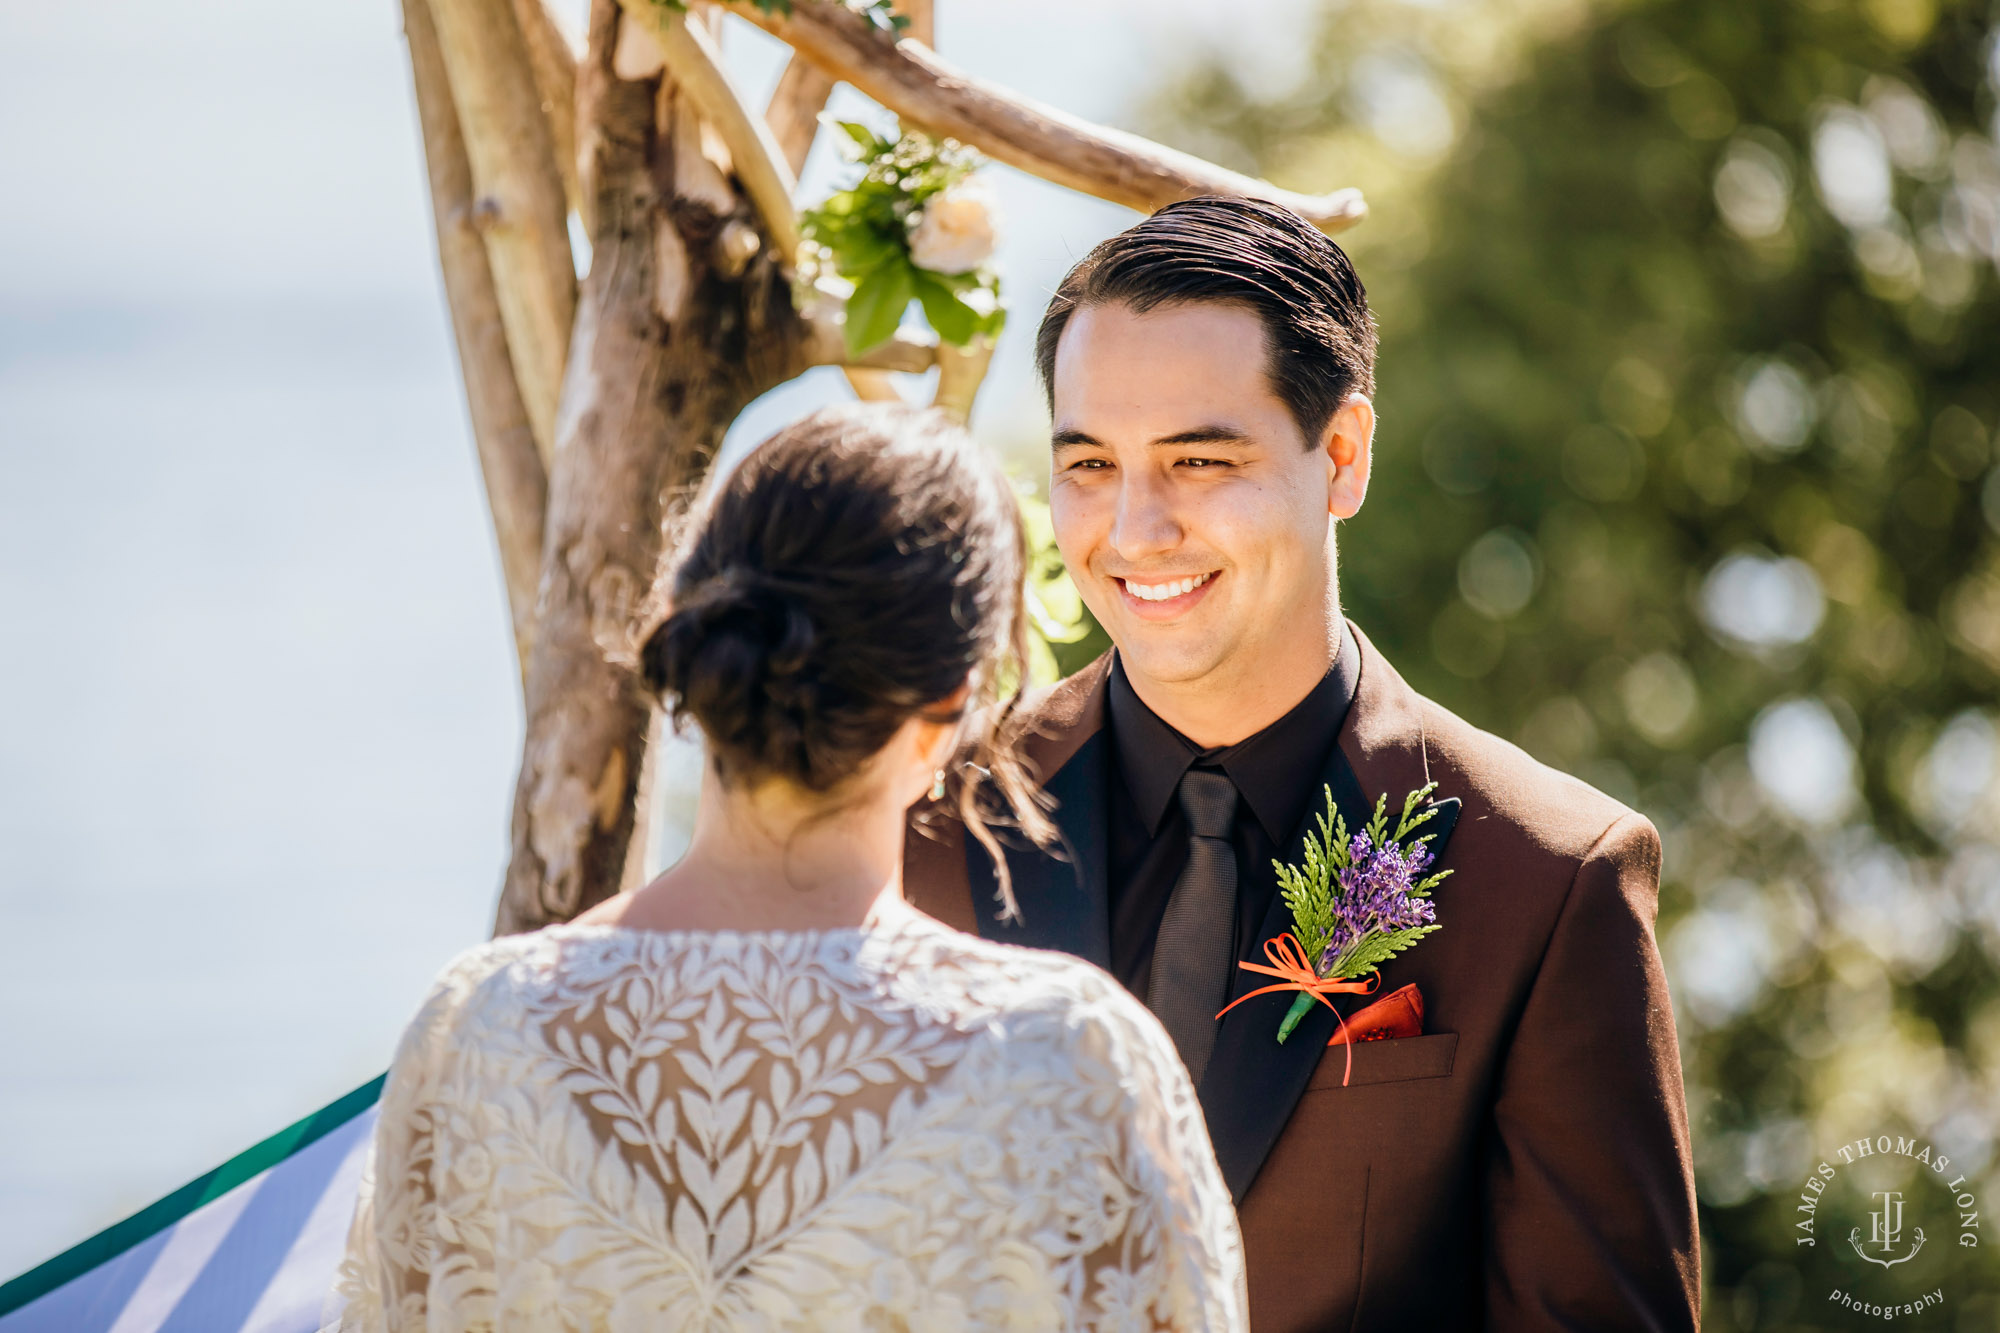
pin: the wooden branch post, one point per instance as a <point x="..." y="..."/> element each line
<point x="668" y="349"/>
<point x="516" y="484"/>
<point x="760" y="167"/>
<point x="793" y="114"/>
<point x="521" y="209"/>
<point x="553" y="61"/>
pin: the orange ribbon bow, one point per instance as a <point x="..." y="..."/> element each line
<point x="1289" y="962"/>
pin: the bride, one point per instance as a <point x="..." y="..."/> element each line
<point x="763" y="1091"/>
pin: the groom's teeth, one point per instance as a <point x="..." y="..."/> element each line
<point x="1160" y="592"/>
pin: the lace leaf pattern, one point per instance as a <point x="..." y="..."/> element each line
<point x="892" y="1127"/>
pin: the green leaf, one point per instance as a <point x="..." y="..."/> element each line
<point x="867" y="248"/>
<point x="1423" y="890"/>
<point x="836" y="211"/>
<point x="863" y="137"/>
<point x="955" y="321"/>
<point x="956" y="282"/>
<point x="877" y="306"/>
<point x="1412" y="819"/>
<point x="1375" y="948"/>
<point x="1378" y="827"/>
<point x="1308" y="890"/>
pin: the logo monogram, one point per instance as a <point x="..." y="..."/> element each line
<point x="1885" y="1228"/>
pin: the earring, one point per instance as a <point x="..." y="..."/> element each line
<point x="937" y="786"/>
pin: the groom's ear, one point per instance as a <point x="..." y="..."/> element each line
<point x="1346" y="444"/>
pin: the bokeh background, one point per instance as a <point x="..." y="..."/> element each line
<point x="1686" y="482"/>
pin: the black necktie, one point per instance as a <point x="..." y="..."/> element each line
<point x="1191" y="958"/>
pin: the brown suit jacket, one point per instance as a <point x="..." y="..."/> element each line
<point x="1524" y="1164"/>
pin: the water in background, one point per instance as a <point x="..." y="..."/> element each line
<point x="259" y="723"/>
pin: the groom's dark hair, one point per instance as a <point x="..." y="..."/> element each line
<point x="1242" y="252"/>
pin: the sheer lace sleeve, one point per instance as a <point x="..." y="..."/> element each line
<point x="410" y="1263"/>
<point x="1178" y="1265"/>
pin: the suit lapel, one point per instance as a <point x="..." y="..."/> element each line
<point x="1252" y="1082"/>
<point x="1065" y="903"/>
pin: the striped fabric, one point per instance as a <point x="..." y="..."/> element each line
<point x="251" y="1247"/>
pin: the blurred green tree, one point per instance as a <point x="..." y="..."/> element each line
<point x="1686" y="481"/>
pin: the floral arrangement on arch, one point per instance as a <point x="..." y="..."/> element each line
<point x="916" y="226"/>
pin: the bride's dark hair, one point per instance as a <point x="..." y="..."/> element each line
<point x="852" y="573"/>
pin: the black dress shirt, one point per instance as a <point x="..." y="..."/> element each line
<point x="1276" y="773"/>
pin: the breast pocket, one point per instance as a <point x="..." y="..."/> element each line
<point x="1396" y="1060"/>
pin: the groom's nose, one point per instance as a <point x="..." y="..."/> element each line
<point x="1144" y="523"/>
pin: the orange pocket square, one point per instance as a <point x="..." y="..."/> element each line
<point x="1400" y="1013"/>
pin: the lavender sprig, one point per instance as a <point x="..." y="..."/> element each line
<point x="1380" y="909"/>
<point x="1359" y="900"/>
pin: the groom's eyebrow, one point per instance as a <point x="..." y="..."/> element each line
<point x="1212" y="434"/>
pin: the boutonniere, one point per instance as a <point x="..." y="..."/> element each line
<point x="1356" y="902"/>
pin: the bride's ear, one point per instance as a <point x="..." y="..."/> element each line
<point x="1348" y="441"/>
<point x="923" y="746"/>
<point x="945" y="722"/>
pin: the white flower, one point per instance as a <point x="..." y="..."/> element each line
<point x="956" y="231"/>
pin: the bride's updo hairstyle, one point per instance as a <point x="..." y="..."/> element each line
<point x="852" y="573"/>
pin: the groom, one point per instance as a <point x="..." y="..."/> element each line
<point x="1510" y="1149"/>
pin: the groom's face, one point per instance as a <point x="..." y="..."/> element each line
<point x="1194" y="516"/>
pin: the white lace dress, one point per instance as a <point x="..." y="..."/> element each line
<point x="896" y="1126"/>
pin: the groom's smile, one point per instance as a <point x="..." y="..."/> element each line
<point x="1162" y="598"/>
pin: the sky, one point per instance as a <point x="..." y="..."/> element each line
<point x="258" y="711"/>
